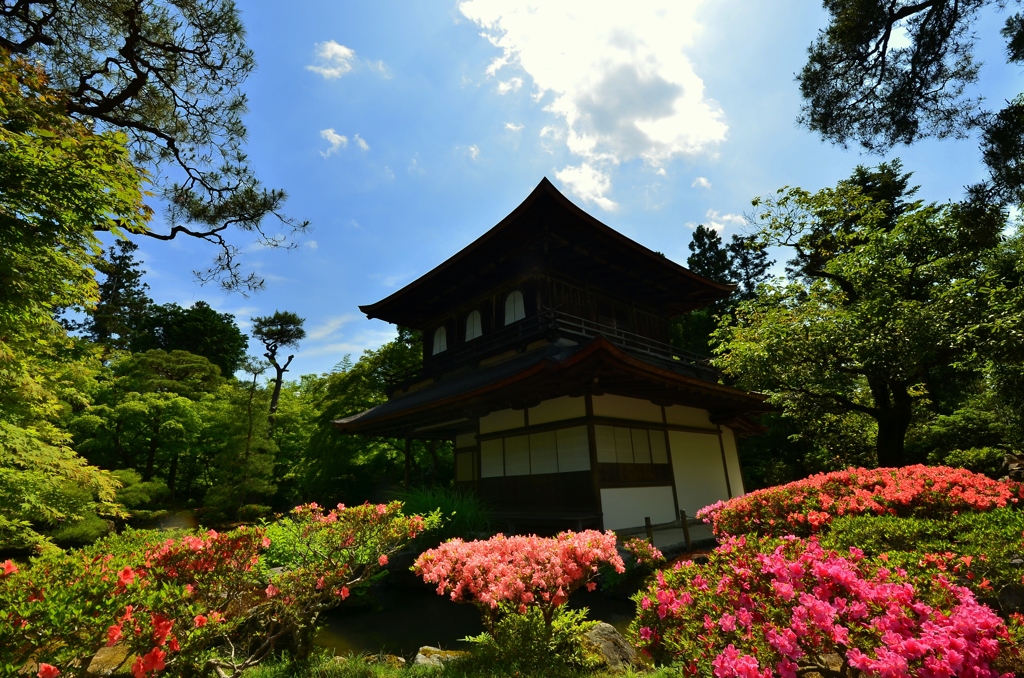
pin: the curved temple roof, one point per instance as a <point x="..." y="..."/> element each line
<point x="548" y="233"/>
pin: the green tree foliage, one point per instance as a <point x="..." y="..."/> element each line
<point x="118" y="318"/>
<point x="859" y="86"/>
<point x="198" y="329"/>
<point x="281" y="330"/>
<point x="351" y="468"/>
<point x="59" y="182"/>
<point x="743" y="262"/>
<point x="879" y="295"/>
<point x="169" y="75"/>
<point x="242" y="451"/>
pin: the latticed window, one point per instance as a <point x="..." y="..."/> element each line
<point x="440" y="341"/>
<point x="515" y="309"/>
<point x="473" y="326"/>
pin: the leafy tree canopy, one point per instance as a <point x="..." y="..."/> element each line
<point x="168" y="74"/>
<point x="859" y="86"/>
<point x="199" y="329"/>
<point x="59" y="181"/>
<point x="879" y="295"/>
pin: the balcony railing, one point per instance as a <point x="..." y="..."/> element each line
<point x="552" y="325"/>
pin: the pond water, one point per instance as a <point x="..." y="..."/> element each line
<point x="399" y="620"/>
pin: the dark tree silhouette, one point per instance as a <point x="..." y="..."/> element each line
<point x="275" y="332"/>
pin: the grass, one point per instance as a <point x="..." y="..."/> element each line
<point x="326" y="666"/>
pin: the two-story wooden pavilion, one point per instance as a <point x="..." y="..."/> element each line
<point x="547" y="362"/>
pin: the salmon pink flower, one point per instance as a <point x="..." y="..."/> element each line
<point x="47" y="671"/>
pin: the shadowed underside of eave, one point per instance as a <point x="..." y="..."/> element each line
<point x="449" y="405"/>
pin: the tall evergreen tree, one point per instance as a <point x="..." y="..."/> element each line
<point x="120" y="316"/>
<point x="709" y="258"/>
<point x="748" y="265"/>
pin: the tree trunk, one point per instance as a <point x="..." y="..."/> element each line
<point x="278" y="380"/>
<point x="894" y="407"/>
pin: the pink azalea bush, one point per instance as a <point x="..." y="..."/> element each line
<point x="807" y="506"/>
<point x="764" y="607"/>
<point x="198" y="602"/>
<point x="519" y="573"/>
<point x="644" y="552"/>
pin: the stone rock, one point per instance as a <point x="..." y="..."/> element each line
<point x="391" y="660"/>
<point x="435" y="656"/>
<point x="107" y="660"/>
<point x="614" y="650"/>
<point x="1011" y="598"/>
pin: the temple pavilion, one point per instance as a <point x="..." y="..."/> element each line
<point x="547" y="363"/>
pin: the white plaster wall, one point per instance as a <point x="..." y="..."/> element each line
<point x="698" y="470"/>
<point x="621" y="407"/>
<point x="627" y="506"/>
<point x="465" y="440"/>
<point x="732" y="461"/>
<point x="681" y="415"/>
<point x="502" y="420"/>
<point x="558" y="409"/>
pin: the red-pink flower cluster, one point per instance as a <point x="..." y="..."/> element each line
<point x="167" y="602"/>
<point x="644" y="551"/>
<point x="805" y="506"/>
<point x="767" y="607"/>
<point x="520" y="571"/>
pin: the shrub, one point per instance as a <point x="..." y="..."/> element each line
<point x="977" y="549"/>
<point x="523" y="642"/>
<point x="463" y="514"/>
<point x="770" y="607"/>
<point x="806" y="506"/>
<point x="520" y="584"/>
<point x="201" y="601"/>
<point x="986" y="460"/>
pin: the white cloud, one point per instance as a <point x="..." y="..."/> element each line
<point x="312" y="244"/>
<point x="513" y="127"/>
<point x="511" y="85"/>
<point x="473" y="152"/>
<point x="701" y="182"/>
<point x="718" y="222"/>
<point x="361" y="143"/>
<point x="588" y="183"/>
<point x="333" y="60"/>
<point x="336" y="140"/>
<point x="354" y="345"/>
<point x="329" y="327"/>
<point x="621" y="86"/>
<point x="414" y="166"/>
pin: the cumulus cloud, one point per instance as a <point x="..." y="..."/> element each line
<point x="336" y="140"/>
<point x="333" y="60"/>
<point x="361" y="143"/>
<point x="718" y="222"/>
<point x="513" y="127"/>
<point x="473" y="152"/>
<point x="511" y="85"/>
<point x="589" y="184"/>
<point x="700" y="182"/>
<point x="615" y="75"/>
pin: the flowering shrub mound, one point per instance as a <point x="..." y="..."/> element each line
<point x="505" y="574"/>
<point x="198" y="602"/>
<point x="764" y="607"/>
<point x="806" y="506"/>
<point x="645" y="553"/>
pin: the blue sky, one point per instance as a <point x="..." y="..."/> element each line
<point x="404" y="130"/>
